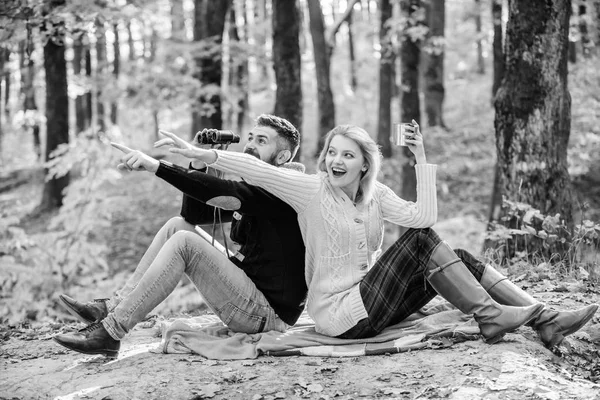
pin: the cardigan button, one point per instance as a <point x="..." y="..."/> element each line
<point x="363" y="267"/>
<point x="361" y="245"/>
<point x="358" y="220"/>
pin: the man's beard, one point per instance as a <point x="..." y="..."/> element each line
<point x="254" y="153"/>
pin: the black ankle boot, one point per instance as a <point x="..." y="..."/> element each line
<point x="93" y="339"/>
<point x="92" y="311"/>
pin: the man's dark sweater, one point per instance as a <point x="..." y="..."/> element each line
<point x="265" y="227"/>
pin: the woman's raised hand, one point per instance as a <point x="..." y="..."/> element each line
<point x="415" y="144"/>
<point x="184" y="148"/>
<point x="172" y="140"/>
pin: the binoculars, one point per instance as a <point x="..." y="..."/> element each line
<point x="214" y="136"/>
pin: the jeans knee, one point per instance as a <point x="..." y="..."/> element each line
<point x="181" y="238"/>
<point x="176" y="224"/>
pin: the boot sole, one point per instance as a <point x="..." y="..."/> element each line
<point x="108" y="353"/>
<point x="73" y="312"/>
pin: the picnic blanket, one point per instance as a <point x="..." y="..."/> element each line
<point x="437" y="325"/>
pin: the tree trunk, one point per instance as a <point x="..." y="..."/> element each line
<point x="353" y="81"/>
<point x="116" y="71"/>
<point x="1" y="103"/>
<point x="7" y="77"/>
<point x="23" y="58"/>
<point x="497" y="46"/>
<point x="479" y="33"/>
<point x="152" y="43"/>
<point x="260" y="34"/>
<point x="80" y="117"/>
<point x="410" y="54"/>
<point x="209" y="24"/>
<point x="57" y="116"/>
<point x="533" y="113"/>
<point x="177" y="21"/>
<point x="28" y="91"/>
<point x="498" y="53"/>
<point x="434" y="63"/>
<point x="596" y="22"/>
<point x="131" y="56"/>
<point x="229" y="54"/>
<point x="88" y="100"/>
<point x="325" y="104"/>
<point x="238" y="71"/>
<point x="584" y="30"/>
<point x="100" y="71"/>
<point x="243" y="76"/>
<point x="286" y="62"/>
<point x="386" y="81"/>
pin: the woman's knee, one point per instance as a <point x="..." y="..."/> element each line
<point x="430" y="234"/>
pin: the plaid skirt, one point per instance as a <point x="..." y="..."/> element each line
<point x="396" y="286"/>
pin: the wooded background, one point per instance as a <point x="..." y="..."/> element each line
<point x="506" y="93"/>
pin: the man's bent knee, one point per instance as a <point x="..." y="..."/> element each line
<point x="176" y="224"/>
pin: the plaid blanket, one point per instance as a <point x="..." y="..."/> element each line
<point x="437" y="325"/>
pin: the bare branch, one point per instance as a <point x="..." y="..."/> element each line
<point x="330" y="37"/>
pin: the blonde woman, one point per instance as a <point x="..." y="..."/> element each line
<point x="354" y="290"/>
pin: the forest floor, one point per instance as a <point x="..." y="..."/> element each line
<point x="35" y="367"/>
<point x="519" y="367"/>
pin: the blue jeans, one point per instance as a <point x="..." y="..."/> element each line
<point x="177" y="250"/>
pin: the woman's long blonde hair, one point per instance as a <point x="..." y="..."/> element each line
<point x="370" y="152"/>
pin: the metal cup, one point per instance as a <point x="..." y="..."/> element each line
<point x="401" y="132"/>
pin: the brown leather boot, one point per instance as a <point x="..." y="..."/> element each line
<point x="89" y="312"/>
<point x="454" y="282"/>
<point x="552" y="326"/>
<point x="93" y="339"/>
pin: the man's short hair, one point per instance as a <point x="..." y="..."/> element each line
<point x="284" y="128"/>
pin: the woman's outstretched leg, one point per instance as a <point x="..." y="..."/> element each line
<point x="454" y="281"/>
<point x="552" y="326"/>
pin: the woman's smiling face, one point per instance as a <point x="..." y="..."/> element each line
<point x="344" y="162"/>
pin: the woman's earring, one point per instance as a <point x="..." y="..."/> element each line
<point x="364" y="168"/>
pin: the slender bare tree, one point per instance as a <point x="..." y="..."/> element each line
<point x="386" y="80"/>
<point x="322" y="54"/>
